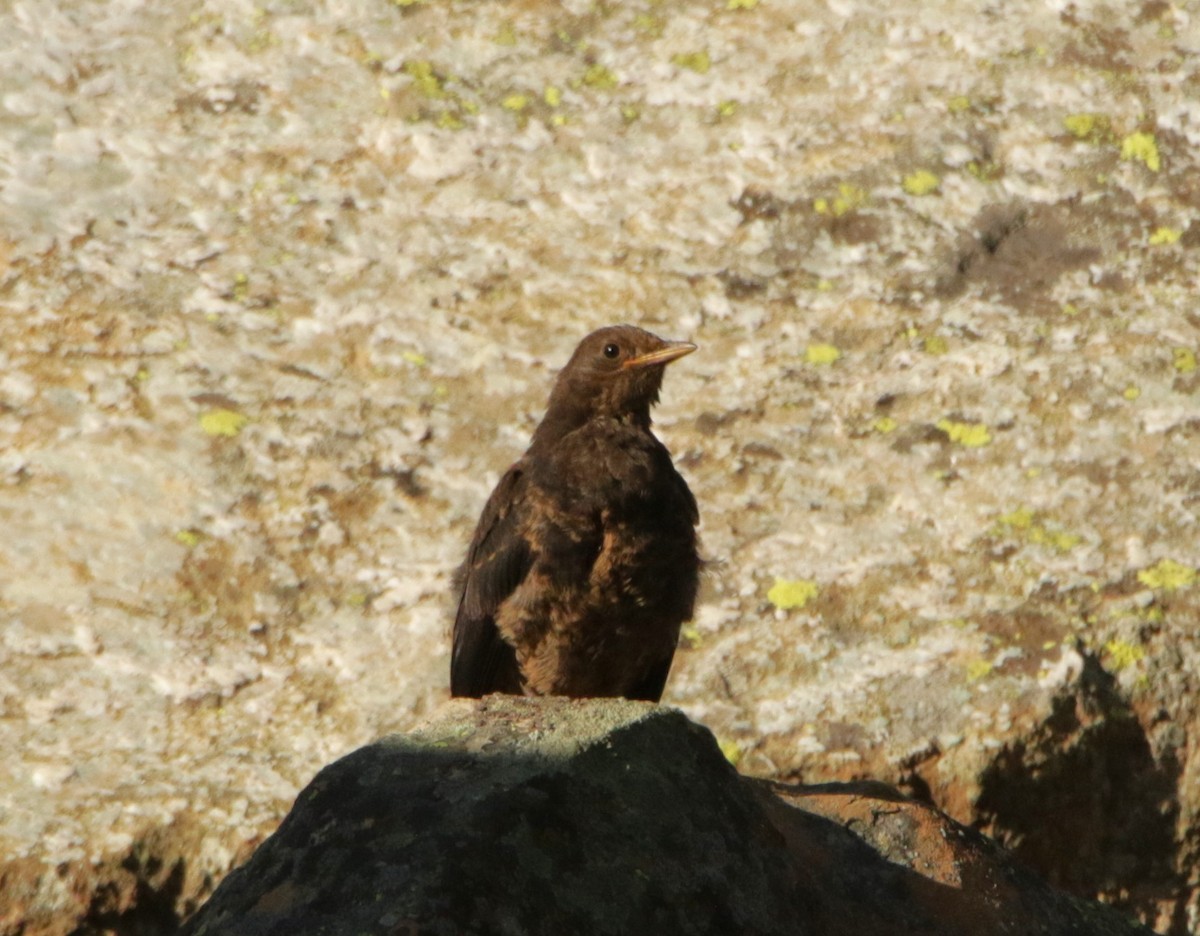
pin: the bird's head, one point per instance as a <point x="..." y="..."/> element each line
<point x="616" y="372"/>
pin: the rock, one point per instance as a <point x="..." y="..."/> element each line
<point x="525" y="816"/>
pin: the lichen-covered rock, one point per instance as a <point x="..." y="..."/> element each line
<point x="549" y="816"/>
<point x="282" y="290"/>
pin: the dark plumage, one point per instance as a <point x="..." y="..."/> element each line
<point x="584" y="562"/>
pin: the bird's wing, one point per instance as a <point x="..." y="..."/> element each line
<point x="499" y="558"/>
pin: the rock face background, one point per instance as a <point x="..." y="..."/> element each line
<point x="284" y="286"/>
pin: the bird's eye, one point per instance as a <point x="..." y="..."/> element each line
<point x="611" y="351"/>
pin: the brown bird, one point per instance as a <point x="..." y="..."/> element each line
<point x="584" y="563"/>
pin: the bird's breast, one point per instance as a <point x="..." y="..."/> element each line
<point x="615" y="523"/>
<point x="605" y="465"/>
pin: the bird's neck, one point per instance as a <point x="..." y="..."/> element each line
<point x="563" y="417"/>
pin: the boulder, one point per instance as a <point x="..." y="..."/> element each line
<point x="528" y="816"/>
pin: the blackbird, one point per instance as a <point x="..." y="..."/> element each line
<point x="584" y="563"/>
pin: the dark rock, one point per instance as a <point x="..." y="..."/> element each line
<point x="527" y="816"/>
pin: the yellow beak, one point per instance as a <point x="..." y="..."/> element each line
<point x="673" y="351"/>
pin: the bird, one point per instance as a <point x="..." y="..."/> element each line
<point x="585" y="561"/>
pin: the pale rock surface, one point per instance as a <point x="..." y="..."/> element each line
<point x="283" y="287"/>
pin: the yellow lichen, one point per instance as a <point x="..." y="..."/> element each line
<point x="1131" y="392"/>
<point x="848" y="198"/>
<point x="222" y="422"/>
<point x="515" y="102"/>
<point x="1023" y="521"/>
<point x="1080" y="125"/>
<point x="821" y="354"/>
<point x="726" y="109"/>
<point x="1019" y="519"/>
<point x="731" y="749"/>
<point x="921" y="182"/>
<point x="1164" y="235"/>
<point x="698" y="62"/>
<point x="1141" y="147"/>
<point x="977" y="669"/>
<point x="984" y="171"/>
<point x="1087" y="126"/>
<point x="424" y="79"/>
<point x="414" y="357"/>
<point x="741" y="4"/>
<point x="1184" y="360"/>
<point x="884" y="424"/>
<point x="690" y="635"/>
<point x="188" y="538"/>
<point x="968" y="435"/>
<point x="787" y="594"/>
<point x="1056" y="539"/>
<point x="552" y="96"/>
<point x="1122" y="654"/>
<point x="958" y="104"/>
<point x="1167" y="575"/>
<point x="600" y="78"/>
<point x="936" y="345"/>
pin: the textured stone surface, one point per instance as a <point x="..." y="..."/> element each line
<point x="552" y="816"/>
<point x="373" y="232"/>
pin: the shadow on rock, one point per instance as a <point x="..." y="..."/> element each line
<point x="1085" y="800"/>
